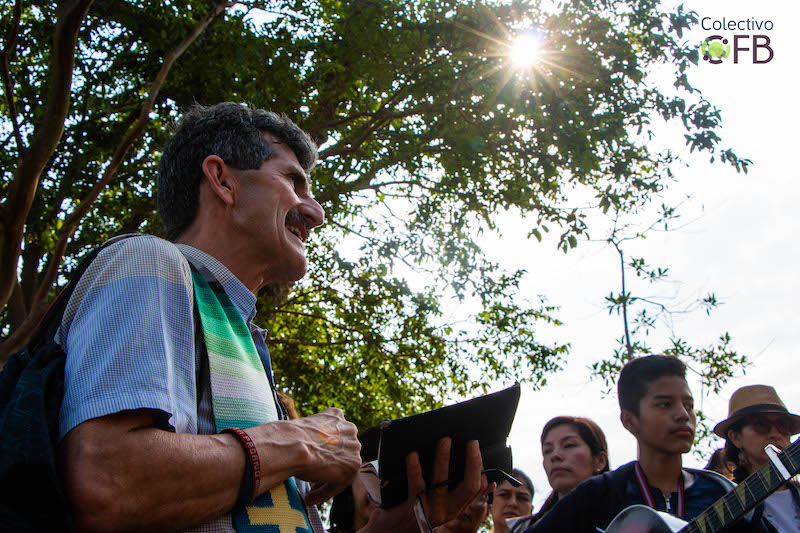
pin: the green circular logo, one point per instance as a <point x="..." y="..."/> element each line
<point x="716" y="49"/>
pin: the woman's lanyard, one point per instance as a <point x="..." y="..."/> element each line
<point x="648" y="497"/>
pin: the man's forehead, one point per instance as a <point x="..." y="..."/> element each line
<point x="668" y="386"/>
<point x="283" y="149"/>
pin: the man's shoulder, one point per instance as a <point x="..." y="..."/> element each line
<point x="607" y="483"/>
<point x="712" y="477"/>
<point x="139" y="255"/>
<point x="126" y="268"/>
<point x="620" y="476"/>
<point x="140" y="245"/>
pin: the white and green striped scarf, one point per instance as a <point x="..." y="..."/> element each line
<point x="242" y="397"/>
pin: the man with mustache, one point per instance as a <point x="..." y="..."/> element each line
<point x="170" y="419"/>
<point x="657" y="408"/>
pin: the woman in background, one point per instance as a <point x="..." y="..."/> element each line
<point x="719" y="464"/>
<point x="573" y="450"/>
<point x="508" y="501"/>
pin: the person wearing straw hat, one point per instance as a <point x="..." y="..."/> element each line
<point x="757" y="417"/>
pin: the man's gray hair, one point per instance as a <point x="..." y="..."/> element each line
<point x="232" y="131"/>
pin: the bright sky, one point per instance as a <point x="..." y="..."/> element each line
<point x="743" y="247"/>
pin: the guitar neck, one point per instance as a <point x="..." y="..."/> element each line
<point x="749" y="493"/>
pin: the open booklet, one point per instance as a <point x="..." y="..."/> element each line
<point x="486" y="419"/>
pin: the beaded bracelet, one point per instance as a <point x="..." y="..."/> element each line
<point x="252" y="468"/>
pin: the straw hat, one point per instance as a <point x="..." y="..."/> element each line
<point x="754" y="399"/>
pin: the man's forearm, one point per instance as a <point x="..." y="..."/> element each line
<point x="123" y="474"/>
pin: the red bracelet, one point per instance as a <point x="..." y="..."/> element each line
<point x="252" y="457"/>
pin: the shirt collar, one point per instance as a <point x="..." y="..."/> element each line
<point x="241" y="297"/>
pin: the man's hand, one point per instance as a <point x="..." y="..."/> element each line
<point x="334" y="453"/>
<point x="440" y="504"/>
<point x="191" y="479"/>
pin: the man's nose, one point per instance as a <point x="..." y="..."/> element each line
<point x="312" y="212"/>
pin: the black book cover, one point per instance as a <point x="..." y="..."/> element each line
<point x="486" y="419"/>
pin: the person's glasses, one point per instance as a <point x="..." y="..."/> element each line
<point x="762" y="424"/>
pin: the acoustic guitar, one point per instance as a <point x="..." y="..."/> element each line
<point x="782" y="467"/>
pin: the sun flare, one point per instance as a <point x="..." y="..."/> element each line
<point x="525" y="50"/>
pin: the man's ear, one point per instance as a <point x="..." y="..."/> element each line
<point x="629" y="421"/>
<point x="220" y="179"/>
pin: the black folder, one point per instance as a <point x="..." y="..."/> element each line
<point x="486" y="419"/>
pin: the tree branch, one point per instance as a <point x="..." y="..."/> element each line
<point x="311" y="344"/>
<point x="16" y="309"/>
<point x="5" y="54"/>
<point x="380" y="343"/>
<point x="134" y="133"/>
<point x="364" y="181"/>
<point x="628" y="346"/>
<point x="6" y="348"/>
<point x="22" y="334"/>
<point x="389" y="101"/>
<point x="380" y="118"/>
<point x="329" y="323"/>
<point x="45" y="139"/>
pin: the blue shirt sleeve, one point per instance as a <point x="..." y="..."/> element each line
<point x="129" y="336"/>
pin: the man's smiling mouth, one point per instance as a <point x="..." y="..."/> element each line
<point x="296" y="231"/>
<point x="297" y="225"/>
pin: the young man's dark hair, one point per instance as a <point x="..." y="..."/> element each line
<point x="231" y="131"/>
<point x="638" y="373"/>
